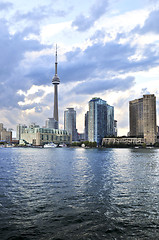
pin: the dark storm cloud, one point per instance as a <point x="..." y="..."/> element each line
<point x="96" y="86"/>
<point x="83" y="23"/>
<point x="5" y="6"/>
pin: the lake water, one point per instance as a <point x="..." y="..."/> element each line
<point x="75" y="193"/>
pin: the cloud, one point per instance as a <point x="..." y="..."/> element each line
<point x="39" y="14"/>
<point x="153" y="1"/>
<point x="105" y="61"/>
<point x="99" y="35"/>
<point x="151" y="24"/>
<point x="38" y="109"/>
<point x="13" y="48"/>
<point x="97" y="64"/>
<point x="83" y="23"/>
<point x="12" y="74"/>
<point x="96" y="86"/>
<point x="97" y="60"/>
<point x="95" y="69"/>
<point x="5" y="6"/>
<point x="8" y="97"/>
<point x="144" y="91"/>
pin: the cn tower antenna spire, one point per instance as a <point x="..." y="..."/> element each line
<point x="56" y="61"/>
<point x="56" y="79"/>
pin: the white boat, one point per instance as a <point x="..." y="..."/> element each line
<point x="50" y="145"/>
<point x="62" y="145"/>
<point x="2" y="146"/>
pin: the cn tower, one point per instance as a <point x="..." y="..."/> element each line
<point x="55" y="82"/>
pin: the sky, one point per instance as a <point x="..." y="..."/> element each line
<point x="107" y="49"/>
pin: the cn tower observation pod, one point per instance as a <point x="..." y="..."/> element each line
<point x="56" y="79"/>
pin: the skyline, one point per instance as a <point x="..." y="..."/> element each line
<point x="107" y="50"/>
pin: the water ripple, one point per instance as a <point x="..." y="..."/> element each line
<point x="79" y="194"/>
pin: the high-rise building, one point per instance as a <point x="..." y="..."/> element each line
<point x="100" y="120"/>
<point x="157" y="130"/>
<point x="20" y="130"/>
<point x="136" y="118"/>
<point x="51" y="123"/>
<point x="70" y="122"/>
<point x="110" y="120"/>
<point x="142" y="118"/>
<point x="115" y="128"/>
<point x="81" y="137"/>
<point x="86" y="127"/>
<point x="56" y="82"/>
<point x="4" y="134"/>
<point x="1" y="127"/>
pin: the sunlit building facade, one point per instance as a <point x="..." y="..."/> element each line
<point x="39" y="136"/>
<point x="142" y="118"/>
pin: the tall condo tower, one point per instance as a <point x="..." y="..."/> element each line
<point x="70" y="122"/>
<point x="55" y="82"/>
<point x="142" y="118"/>
<point x="100" y="120"/>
